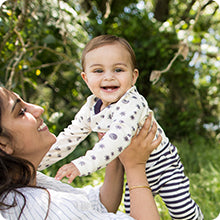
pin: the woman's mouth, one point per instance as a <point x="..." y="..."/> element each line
<point x="42" y="127"/>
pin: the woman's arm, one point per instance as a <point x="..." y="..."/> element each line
<point x="112" y="188"/>
<point x="134" y="160"/>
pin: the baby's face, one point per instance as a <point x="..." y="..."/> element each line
<point x="109" y="73"/>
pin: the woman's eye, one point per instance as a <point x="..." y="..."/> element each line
<point x="22" y="111"/>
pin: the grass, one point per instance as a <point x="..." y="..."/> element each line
<point x="201" y="161"/>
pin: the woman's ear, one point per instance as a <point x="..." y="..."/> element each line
<point x="5" y="145"/>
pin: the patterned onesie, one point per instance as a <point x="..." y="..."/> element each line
<point x="120" y="121"/>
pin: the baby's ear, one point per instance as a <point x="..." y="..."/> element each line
<point x="135" y="76"/>
<point x="5" y="145"/>
<point x="83" y="75"/>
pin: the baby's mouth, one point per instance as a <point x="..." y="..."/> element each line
<point x="110" y="88"/>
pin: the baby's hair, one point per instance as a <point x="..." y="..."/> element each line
<point x="103" y="40"/>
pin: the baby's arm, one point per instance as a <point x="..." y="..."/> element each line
<point x="70" y="170"/>
<point x="107" y="149"/>
<point x="124" y="124"/>
<point x="67" y="140"/>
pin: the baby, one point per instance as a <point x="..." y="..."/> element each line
<point x="118" y="110"/>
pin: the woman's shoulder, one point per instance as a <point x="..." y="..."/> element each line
<point x="50" y="183"/>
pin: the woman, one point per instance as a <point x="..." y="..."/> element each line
<point x="27" y="194"/>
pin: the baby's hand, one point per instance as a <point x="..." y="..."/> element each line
<point x="69" y="170"/>
<point x="100" y="135"/>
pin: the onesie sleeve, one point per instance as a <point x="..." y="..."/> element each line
<point x="68" y="139"/>
<point x="127" y="114"/>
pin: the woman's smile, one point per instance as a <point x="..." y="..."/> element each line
<point x="43" y="127"/>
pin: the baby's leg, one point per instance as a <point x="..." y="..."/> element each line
<point x="173" y="187"/>
<point x="175" y="194"/>
<point x="127" y="199"/>
<point x="166" y="177"/>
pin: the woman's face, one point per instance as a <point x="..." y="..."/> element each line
<point x="31" y="138"/>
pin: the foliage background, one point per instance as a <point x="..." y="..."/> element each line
<point x="40" y="47"/>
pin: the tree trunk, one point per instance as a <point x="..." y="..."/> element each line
<point x="161" y="12"/>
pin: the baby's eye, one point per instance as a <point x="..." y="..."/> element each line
<point x="117" y="70"/>
<point x="22" y="111"/>
<point x="98" y="71"/>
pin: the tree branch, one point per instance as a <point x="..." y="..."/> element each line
<point x="52" y="51"/>
<point x="108" y="8"/>
<point x="186" y="12"/>
<point x="17" y="60"/>
<point x="45" y="65"/>
<point x="183" y="50"/>
<point x="19" y="25"/>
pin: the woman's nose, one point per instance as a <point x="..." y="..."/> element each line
<point x="35" y="110"/>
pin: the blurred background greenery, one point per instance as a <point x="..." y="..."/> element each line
<point x="40" y="47"/>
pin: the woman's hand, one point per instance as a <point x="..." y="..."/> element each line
<point x="134" y="158"/>
<point x="141" y="146"/>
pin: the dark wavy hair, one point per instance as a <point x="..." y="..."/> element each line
<point x="15" y="172"/>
